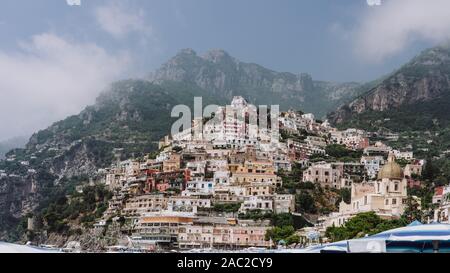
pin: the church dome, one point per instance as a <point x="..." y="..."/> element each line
<point x="391" y="170"/>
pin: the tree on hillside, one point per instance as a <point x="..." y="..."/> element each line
<point x="345" y="195"/>
<point x="282" y="219"/>
<point x="306" y="202"/>
<point x="336" y="150"/>
<point x="430" y="171"/>
<point x="366" y="223"/>
<point x="412" y="210"/>
<point x="341" y="152"/>
<point x="280" y="233"/>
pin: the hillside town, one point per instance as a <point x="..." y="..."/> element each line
<point x="214" y="188"/>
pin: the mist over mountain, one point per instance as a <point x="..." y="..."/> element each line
<point x="128" y="119"/>
<point x="9" y="144"/>
<point x="125" y="122"/>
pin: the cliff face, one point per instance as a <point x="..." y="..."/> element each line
<point x="224" y="76"/>
<point x="128" y="119"/>
<point x="424" y="79"/>
<point x="125" y="122"/>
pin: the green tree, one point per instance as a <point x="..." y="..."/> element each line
<point x="430" y="171"/>
<point x="228" y="207"/>
<point x="345" y="195"/>
<point x="336" y="150"/>
<point x="412" y="210"/>
<point x="282" y="219"/>
<point x="279" y="233"/>
<point x="293" y="239"/>
<point x="305" y="202"/>
<point x="364" y="223"/>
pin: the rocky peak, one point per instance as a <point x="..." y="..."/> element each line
<point x="426" y="78"/>
<point x="187" y="51"/>
<point x="217" y="56"/>
<point x="217" y="72"/>
<point x="434" y="56"/>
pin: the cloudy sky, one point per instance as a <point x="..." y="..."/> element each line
<point x="56" y="58"/>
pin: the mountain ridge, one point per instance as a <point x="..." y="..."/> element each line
<point x="127" y="120"/>
<point x="423" y="80"/>
<point x="225" y="76"/>
<point x="9" y="144"/>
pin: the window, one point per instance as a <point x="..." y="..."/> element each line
<point x="387" y="202"/>
<point x="394" y="201"/>
<point x="396" y="187"/>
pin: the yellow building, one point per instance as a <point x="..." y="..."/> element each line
<point x="252" y="172"/>
<point x="172" y="164"/>
<point x="160" y="229"/>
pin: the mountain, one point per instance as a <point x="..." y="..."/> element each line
<point x="225" y="76"/>
<point x="127" y="120"/>
<point x="9" y="144"/>
<point x="416" y="96"/>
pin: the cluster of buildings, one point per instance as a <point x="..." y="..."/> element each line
<point x="383" y="190"/>
<point x="192" y="193"/>
<point x="203" y="183"/>
<point x="376" y="183"/>
<point x="354" y="139"/>
<point x="441" y="199"/>
<point x="386" y="196"/>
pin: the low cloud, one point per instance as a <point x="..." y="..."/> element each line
<point x="49" y="78"/>
<point x="388" y="29"/>
<point x="120" y="21"/>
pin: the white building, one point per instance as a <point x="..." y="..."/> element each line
<point x="323" y="173"/>
<point x="284" y="203"/>
<point x="188" y="203"/>
<point x="442" y="199"/>
<point x="403" y="155"/>
<point x="262" y="203"/>
<point x="217" y="165"/>
<point x="221" y="177"/>
<point x="372" y="164"/>
<point x="197" y="168"/>
<point x="199" y="188"/>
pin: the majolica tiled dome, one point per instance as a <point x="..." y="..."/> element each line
<point x="391" y="170"/>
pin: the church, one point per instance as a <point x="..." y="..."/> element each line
<point x="386" y="196"/>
